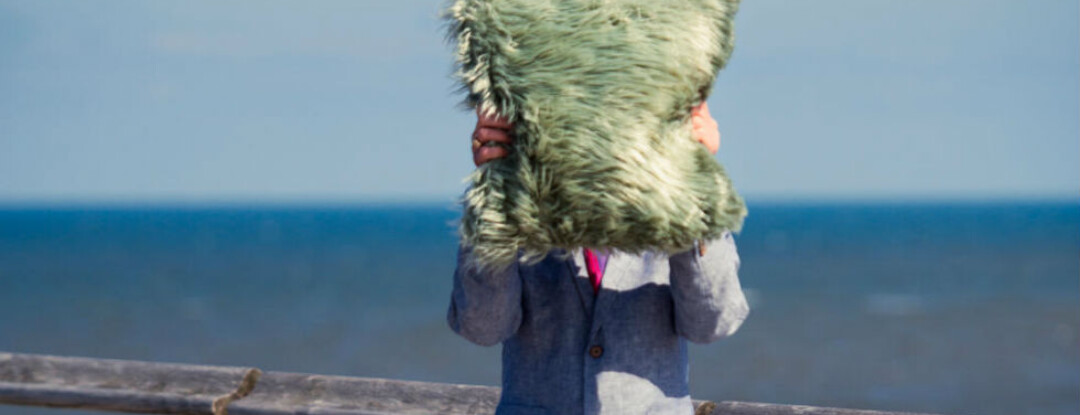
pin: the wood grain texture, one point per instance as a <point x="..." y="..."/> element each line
<point x="166" y="388"/>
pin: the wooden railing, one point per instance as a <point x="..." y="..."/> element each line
<point x="165" y="388"/>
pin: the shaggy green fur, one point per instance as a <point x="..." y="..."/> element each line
<point x="600" y="93"/>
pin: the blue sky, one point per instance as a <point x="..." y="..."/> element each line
<point x="353" y="101"/>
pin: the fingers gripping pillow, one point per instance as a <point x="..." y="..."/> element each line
<point x="599" y="93"/>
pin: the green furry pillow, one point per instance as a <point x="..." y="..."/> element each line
<point x="600" y="93"/>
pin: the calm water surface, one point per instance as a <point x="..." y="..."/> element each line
<point x="950" y="308"/>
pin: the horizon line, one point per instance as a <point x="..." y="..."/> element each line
<point x="453" y="203"/>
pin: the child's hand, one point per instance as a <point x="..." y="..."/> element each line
<point x="705" y="129"/>
<point x="491" y="138"/>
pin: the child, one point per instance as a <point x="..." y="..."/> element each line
<point x="598" y="332"/>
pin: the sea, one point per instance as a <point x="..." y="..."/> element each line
<point x="937" y="307"/>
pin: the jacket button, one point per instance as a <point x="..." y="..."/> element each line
<point x="596" y="352"/>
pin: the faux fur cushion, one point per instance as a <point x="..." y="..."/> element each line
<point x="600" y="93"/>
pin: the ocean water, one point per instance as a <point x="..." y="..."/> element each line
<point x="947" y="308"/>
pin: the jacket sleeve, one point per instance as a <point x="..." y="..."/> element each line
<point x="709" y="302"/>
<point x="485" y="307"/>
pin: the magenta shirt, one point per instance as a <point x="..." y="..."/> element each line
<point x="595" y="263"/>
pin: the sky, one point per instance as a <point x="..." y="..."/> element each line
<point x="353" y="101"/>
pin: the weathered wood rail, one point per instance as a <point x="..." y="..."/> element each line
<point x="163" y="388"/>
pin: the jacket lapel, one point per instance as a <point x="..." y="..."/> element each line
<point x="580" y="276"/>
<point x="617" y="266"/>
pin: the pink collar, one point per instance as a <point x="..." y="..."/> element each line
<point x="595" y="264"/>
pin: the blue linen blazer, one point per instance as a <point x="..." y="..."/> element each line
<point x="622" y="351"/>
